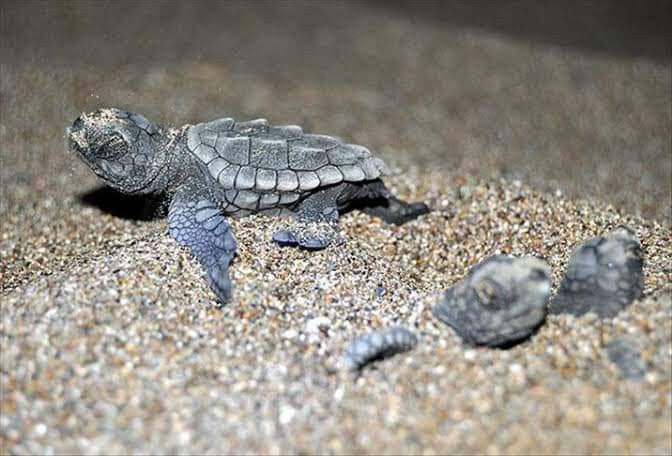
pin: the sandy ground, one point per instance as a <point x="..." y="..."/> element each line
<point x="111" y="341"/>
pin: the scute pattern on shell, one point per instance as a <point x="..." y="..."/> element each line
<point x="604" y="275"/>
<point x="378" y="345"/>
<point x="256" y="156"/>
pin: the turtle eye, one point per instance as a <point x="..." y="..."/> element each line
<point x="115" y="145"/>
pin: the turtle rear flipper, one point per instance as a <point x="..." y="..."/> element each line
<point x="196" y="222"/>
<point x="375" y="199"/>
<point x="395" y="211"/>
<point x="315" y="223"/>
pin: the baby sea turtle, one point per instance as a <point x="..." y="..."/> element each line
<point x="226" y="168"/>
<point x="501" y="301"/>
<point x="604" y="275"/>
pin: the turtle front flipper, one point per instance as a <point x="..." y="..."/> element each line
<point x="196" y="222"/>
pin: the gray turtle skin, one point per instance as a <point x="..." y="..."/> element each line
<point x="225" y="168"/>
<point x="500" y="302"/>
<point x="377" y="345"/>
<point x="604" y="275"/>
<point x="625" y="353"/>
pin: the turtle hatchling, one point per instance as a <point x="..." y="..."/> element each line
<point x="604" y="275"/>
<point x="212" y="170"/>
<point x="500" y="302"/>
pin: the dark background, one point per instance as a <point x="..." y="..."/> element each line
<point x="566" y="95"/>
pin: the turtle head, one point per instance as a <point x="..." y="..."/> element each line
<point x="501" y="280"/>
<point x="124" y="149"/>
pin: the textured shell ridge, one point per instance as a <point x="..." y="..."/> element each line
<point x="257" y="156"/>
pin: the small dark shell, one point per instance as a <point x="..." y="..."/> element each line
<point x="604" y="276"/>
<point x="378" y="345"/>
<point x="500" y="302"/>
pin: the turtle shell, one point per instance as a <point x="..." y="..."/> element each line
<point x="257" y="157"/>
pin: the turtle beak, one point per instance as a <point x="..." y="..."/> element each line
<point x="77" y="142"/>
<point x="76" y="135"/>
<point x="76" y="138"/>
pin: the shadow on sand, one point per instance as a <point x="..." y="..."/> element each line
<point x="129" y="207"/>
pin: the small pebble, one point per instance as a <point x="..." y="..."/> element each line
<point x="290" y="334"/>
<point x="464" y="192"/>
<point x="604" y="276"/>
<point x="378" y="345"/>
<point x="316" y="328"/>
<point x="501" y="301"/>
<point x="317" y="325"/>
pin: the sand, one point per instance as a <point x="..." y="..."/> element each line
<point x="112" y="342"/>
<point x="125" y="349"/>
